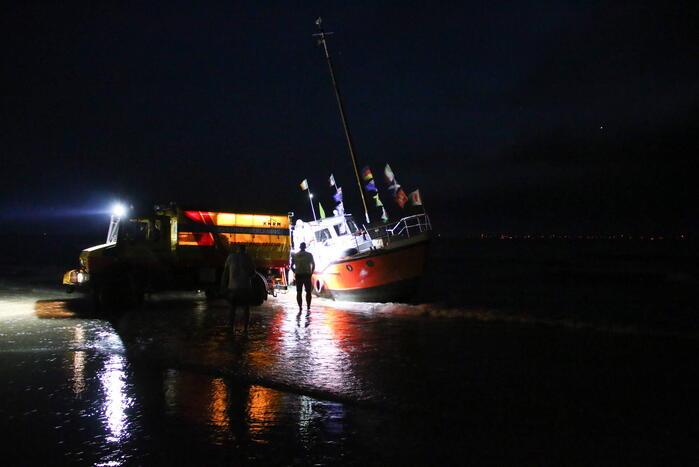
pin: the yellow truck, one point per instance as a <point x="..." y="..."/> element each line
<point x="175" y="248"/>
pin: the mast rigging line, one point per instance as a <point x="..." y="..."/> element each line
<point x="345" y="126"/>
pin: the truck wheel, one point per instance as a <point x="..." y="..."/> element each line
<point x="135" y="291"/>
<point x="259" y="289"/>
<point x="102" y="298"/>
<point x="96" y="296"/>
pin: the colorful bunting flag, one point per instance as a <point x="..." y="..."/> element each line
<point x="340" y="208"/>
<point x="401" y="198"/>
<point x="332" y="180"/>
<point x="366" y="174"/>
<point x="394" y="187"/>
<point x="393" y="184"/>
<point x="371" y="186"/>
<point x="304" y="184"/>
<point x="338" y="195"/>
<point x="415" y="198"/>
<point x="390" y="178"/>
<point x="384" y="216"/>
<point x="321" y="210"/>
<point x="378" y="200"/>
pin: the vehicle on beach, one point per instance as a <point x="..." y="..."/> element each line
<point x="172" y="248"/>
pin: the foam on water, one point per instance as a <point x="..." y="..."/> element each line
<point x="569" y="319"/>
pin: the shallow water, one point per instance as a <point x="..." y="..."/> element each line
<point x="178" y="382"/>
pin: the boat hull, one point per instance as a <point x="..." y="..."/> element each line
<point x="381" y="275"/>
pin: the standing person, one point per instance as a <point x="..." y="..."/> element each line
<point x="303" y="265"/>
<point x="236" y="281"/>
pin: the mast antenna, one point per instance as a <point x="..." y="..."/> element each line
<point x="348" y="135"/>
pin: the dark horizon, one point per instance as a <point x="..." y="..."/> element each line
<point x="564" y="118"/>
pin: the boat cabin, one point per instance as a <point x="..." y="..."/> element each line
<point x="337" y="237"/>
<point x="330" y="238"/>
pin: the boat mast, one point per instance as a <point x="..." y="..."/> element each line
<point x="345" y="126"/>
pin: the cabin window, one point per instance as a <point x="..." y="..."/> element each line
<point x="322" y="235"/>
<point x="136" y="230"/>
<point x="352" y="226"/>
<point x="340" y="229"/>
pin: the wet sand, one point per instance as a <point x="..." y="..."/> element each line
<point x="353" y="384"/>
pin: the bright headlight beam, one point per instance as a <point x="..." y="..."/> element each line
<point x="118" y="210"/>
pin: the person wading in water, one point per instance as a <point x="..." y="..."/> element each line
<point x="303" y="265"/>
<point x="236" y="282"/>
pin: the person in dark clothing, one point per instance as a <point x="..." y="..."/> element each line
<point x="236" y="281"/>
<point x="303" y="265"/>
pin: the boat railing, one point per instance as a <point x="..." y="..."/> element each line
<point x="405" y="228"/>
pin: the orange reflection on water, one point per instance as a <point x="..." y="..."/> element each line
<point x="226" y="408"/>
<point x="200" y="398"/>
<point x="218" y="407"/>
<point x="280" y="325"/>
<point x="340" y="330"/>
<point x="264" y="407"/>
<point x="47" y="309"/>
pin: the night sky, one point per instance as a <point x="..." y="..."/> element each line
<point x="554" y="117"/>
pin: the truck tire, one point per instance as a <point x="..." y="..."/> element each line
<point x="259" y="290"/>
<point x="104" y="297"/>
<point x="119" y="286"/>
<point x="96" y="298"/>
<point x="134" y="289"/>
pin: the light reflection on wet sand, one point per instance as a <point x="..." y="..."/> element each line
<point x="227" y="410"/>
<point x="116" y="401"/>
<point x="264" y="408"/>
<point x="307" y="351"/>
<point x="78" y="371"/>
<point x="79" y="360"/>
<point x="176" y="379"/>
<point x="218" y="407"/>
<point x="311" y="356"/>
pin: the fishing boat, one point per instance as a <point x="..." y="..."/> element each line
<point x="376" y="262"/>
<point x="380" y="263"/>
